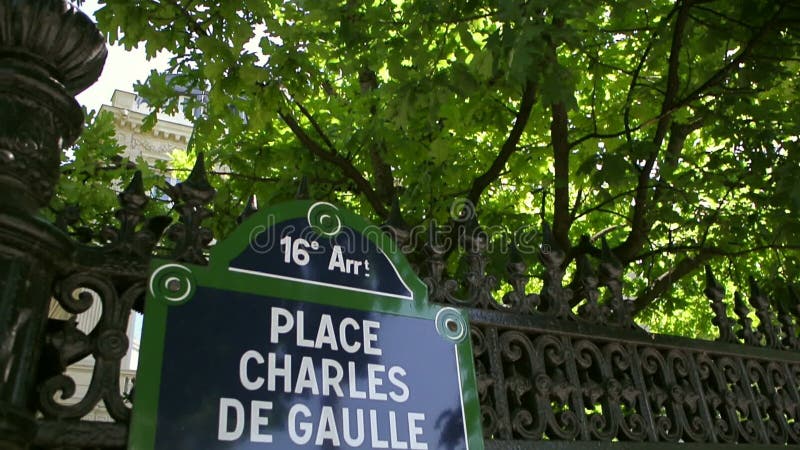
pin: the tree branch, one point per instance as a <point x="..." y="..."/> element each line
<point x="588" y="136"/>
<point x="664" y="282"/>
<point x="559" y="140"/>
<point x="347" y="168"/>
<point x="677" y="138"/>
<point x="638" y="232"/>
<point x="720" y="75"/>
<point x="639" y="229"/>
<point x="575" y="206"/>
<point x="384" y="178"/>
<point x="688" y="265"/>
<point x="315" y="124"/>
<point x="190" y="22"/>
<point x="382" y="172"/>
<point x="604" y="203"/>
<point x="509" y="146"/>
<point x="233" y="175"/>
<point x="626" y="113"/>
<point x="725" y="17"/>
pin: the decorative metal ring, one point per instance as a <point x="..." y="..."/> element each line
<point x="172" y="283"/>
<point x="450" y="324"/>
<point x="324" y="218"/>
<point x="462" y="210"/>
<point x="112" y="344"/>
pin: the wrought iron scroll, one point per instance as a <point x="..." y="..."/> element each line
<point x="563" y="364"/>
<point x="107" y="343"/>
<point x="112" y="270"/>
<point x="536" y="383"/>
<point x="569" y="363"/>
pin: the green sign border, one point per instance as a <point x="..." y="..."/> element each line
<point x="173" y="284"/>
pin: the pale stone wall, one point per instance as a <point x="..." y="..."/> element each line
<point x="171" y="132"/>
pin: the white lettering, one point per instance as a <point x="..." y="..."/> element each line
<point x="327" y="428"/>
<point x="373" y="428"/>
<point x="273" y="371"/>
<point x="414" y="431"/>
<point x="306" y="377"/>
<point x="370" y="337"/>
<point x="302" y="341"/>
<point x="396" y="444"/>
<point x="247" y="383"/>
<point x="348" y="438"/>
<point x="332" y="381"/>
<point x="326" y="333"/>
<point x="394" y="373"/>
<point x="337" y="259"/>
<point x="257" y="420"/>
<point x="275" y="326"/>
<point x="335" y="425"/>
<point x="374" y="380"/>
<point x="222" y="431"/>
<point x="346" y="346"/>
<point x="305" y="427"/>
<point x="354" y="392"/>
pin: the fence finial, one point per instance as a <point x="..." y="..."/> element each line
<point x="191" y="198"/>
<point x="585" y="283"/>
<point x="555" y="299"/>
<point x="518" y="299"/>
<point x="198" y="179"/>
<point x="745" y="333"/>
<point x="396" y="226"/>
<point x="786" y="305"/>
<point x="250" y="208"/>
<point x="715" y="292"/>
<point x="302" y="189"/>
<point x="766" y="327"/>
<point x="611" y="277"/>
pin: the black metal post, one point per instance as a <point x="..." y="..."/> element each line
<point x="49" y="51"/>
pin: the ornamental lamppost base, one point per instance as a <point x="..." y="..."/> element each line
<point x="49" y="52"/>
<point x="26" y="280"/>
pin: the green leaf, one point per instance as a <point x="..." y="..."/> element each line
<point x="445" y="109"/>
<point x="440" y="150"/>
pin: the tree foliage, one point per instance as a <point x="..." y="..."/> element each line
<point x="92" y="173"/>
<point x="665" y="127"/>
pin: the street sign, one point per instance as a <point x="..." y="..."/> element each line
<point x="307" y="329"/>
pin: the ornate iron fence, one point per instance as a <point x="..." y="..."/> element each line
<point x="563" y="368"/>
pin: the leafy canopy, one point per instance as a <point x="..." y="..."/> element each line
<point x="665" y="127"/>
